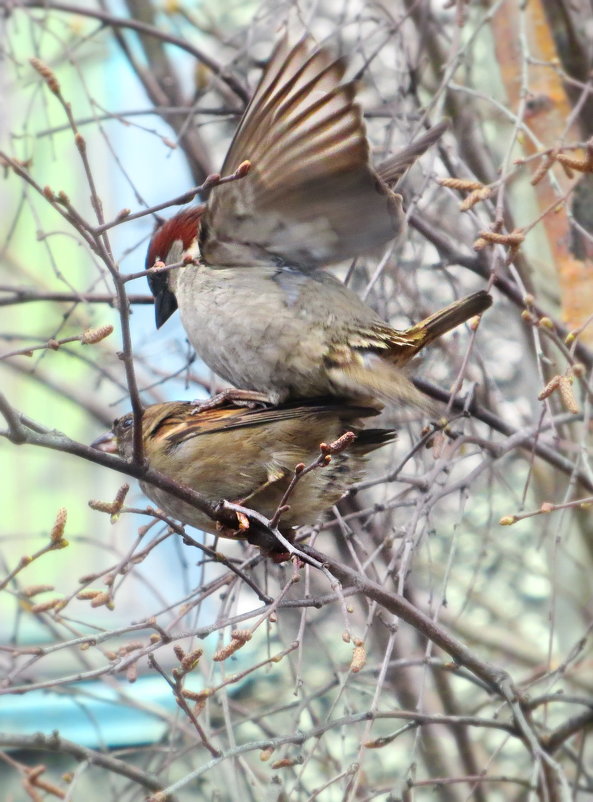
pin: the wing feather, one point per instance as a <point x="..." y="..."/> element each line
<point x="311" y="196"/>
<point x="176" y="423"/>
<point x="399" y="347"/>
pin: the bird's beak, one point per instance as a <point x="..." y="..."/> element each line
<point x="106" y="442"/>
<point x="165" y="302"/>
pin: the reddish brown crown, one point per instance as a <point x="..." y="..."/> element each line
<point x="184" y="227"/>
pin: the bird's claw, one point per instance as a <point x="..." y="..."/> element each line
<point x="232" y="396"/>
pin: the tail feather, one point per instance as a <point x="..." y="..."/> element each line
<point x="368" y="440"/>
<point x="369" y="374"/>
<point x="439" y="323"/>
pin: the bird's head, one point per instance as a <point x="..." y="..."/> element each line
<point x="119" y="440"/>
<point x="159" y="421"/>
<point x="169" y="243"/>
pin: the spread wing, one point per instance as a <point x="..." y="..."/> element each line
<point x="311" y="196"/>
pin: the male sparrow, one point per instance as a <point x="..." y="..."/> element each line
<point x="254" y="304"/>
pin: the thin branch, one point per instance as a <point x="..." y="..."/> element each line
<point x="58" y="745"/>
<point x="141" y="27"/>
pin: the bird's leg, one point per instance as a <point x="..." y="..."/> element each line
<point x="240" y="398"/>
<point x="270" y="549"/>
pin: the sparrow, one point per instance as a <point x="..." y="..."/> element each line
<point x="249" y="456"/>
<point x="255" y="304"/>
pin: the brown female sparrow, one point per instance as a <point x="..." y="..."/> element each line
<point x="254" y="306"/>
<point x="249" y="456"/>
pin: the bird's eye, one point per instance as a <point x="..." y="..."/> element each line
<point x="123" y="423"/>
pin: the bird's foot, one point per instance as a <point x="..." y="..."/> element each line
<point x="240" y="398"/>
